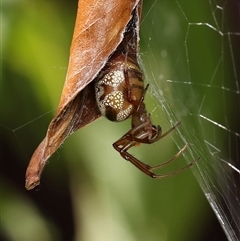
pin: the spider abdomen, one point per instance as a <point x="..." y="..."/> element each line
<point x="119" y="88"/>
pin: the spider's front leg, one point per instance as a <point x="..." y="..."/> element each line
<point x="143" y="133"/>
<point x="150" y="137"/>
<point x="126" y="145"/>
<point x="122" y="146"/>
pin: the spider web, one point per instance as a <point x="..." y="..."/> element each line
<point x="190" y="55"/>
<point x="201" y="88"/>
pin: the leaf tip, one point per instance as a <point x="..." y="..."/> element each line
<point x="32" y="182"/>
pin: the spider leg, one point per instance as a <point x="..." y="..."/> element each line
<point x="140" y="165"/>
<point x="127" y="156"/>
<point x="126" y="145"/>
<point x="177" y="171"/>
<point x="130" y="135"/>
<point x="166" y="133"/>
<point x="170" y="160"/>
<point x="144" y="136"/>
<point x="143" y="96"/>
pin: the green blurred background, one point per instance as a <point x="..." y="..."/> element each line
<point x="88" y="191"/>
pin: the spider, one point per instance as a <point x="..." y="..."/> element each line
<point x="120" y="93"/>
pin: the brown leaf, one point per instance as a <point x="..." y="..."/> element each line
<point x="100" y="28"/>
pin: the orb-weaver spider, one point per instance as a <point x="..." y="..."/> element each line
<point x="120" y="94"/>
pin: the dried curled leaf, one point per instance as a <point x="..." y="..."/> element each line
<point x="100" y="29"/>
